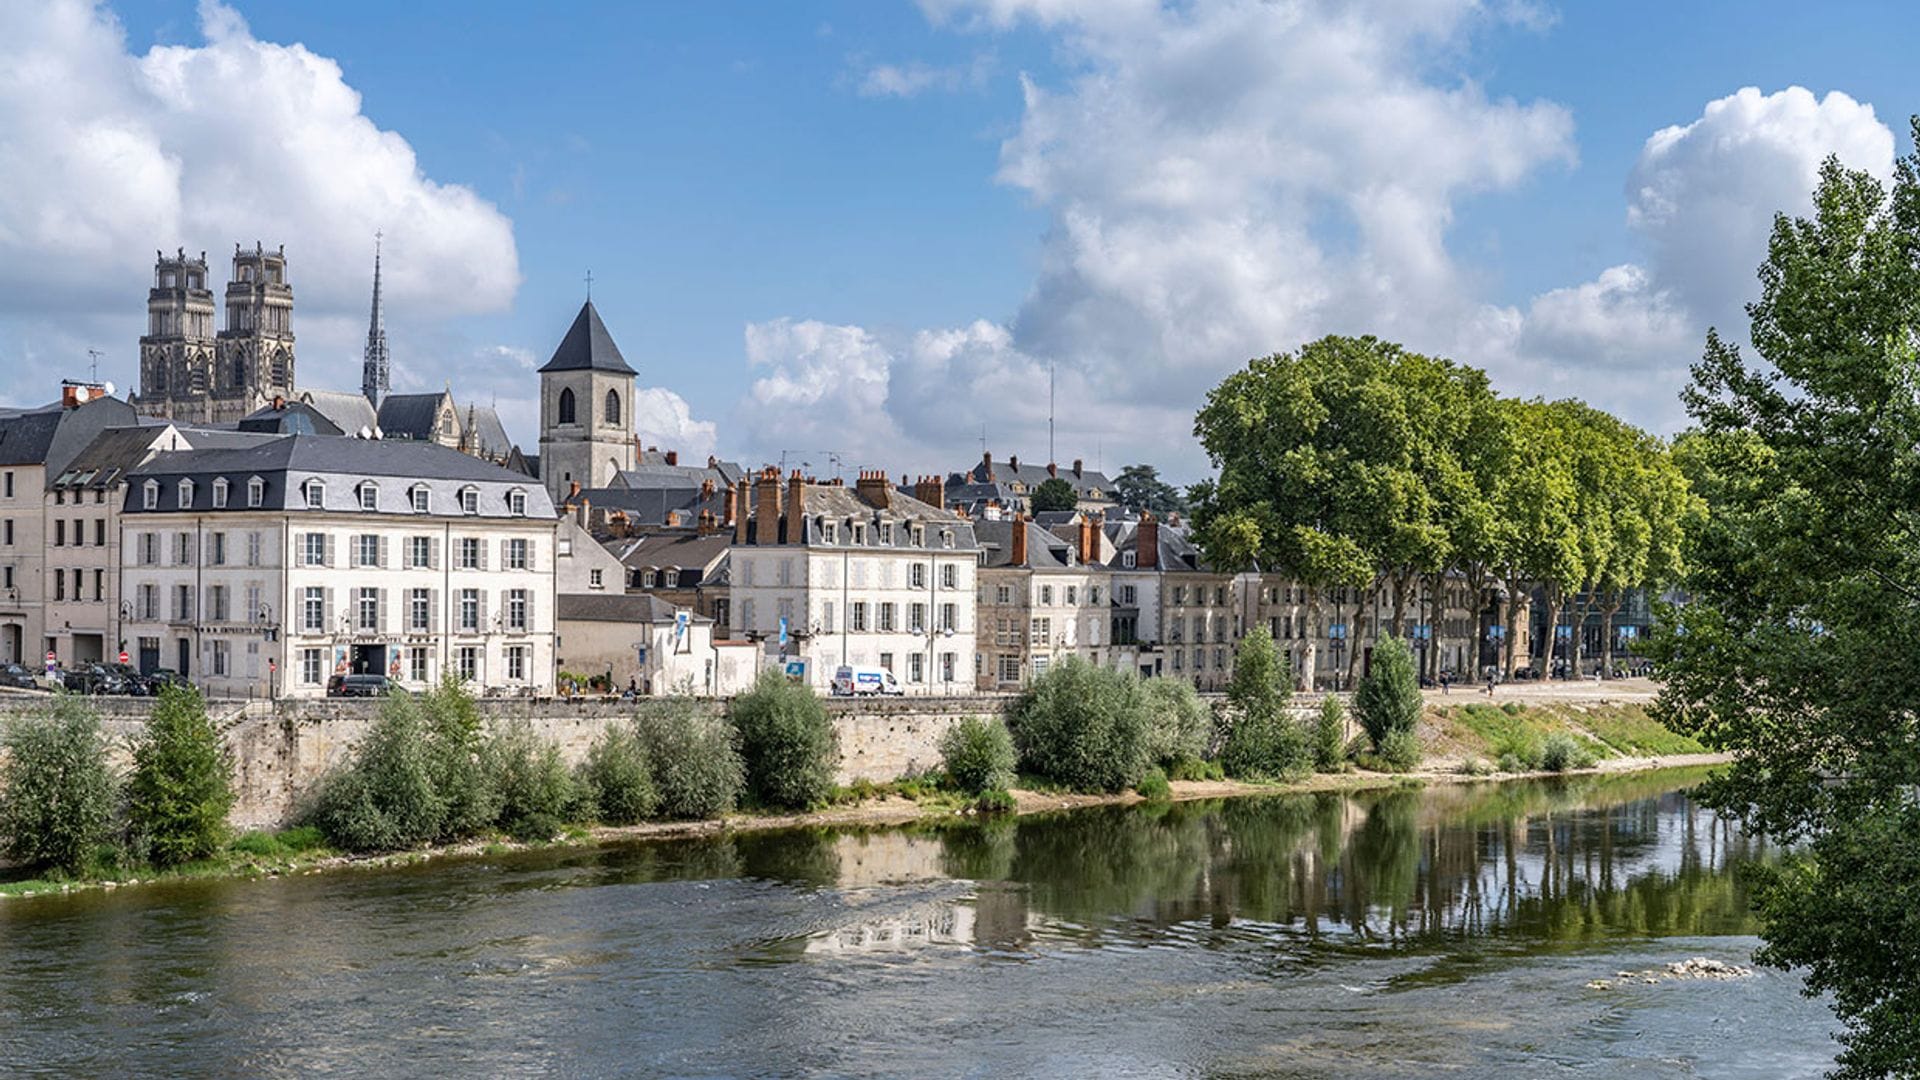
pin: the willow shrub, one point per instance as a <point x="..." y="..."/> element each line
<point x="1179" y="723"/>
<point x="787" y="742"/>
<point x="385" y="798"/>
<point x="696" y="768"/>
<point x="57" y="795"/>
<point x="1388" y="701"/>
<point x="1083" y="726"/>
<point x="978" y="755"/>
<point x="460" y="758"/>
<point x="616" y="780"/>
<point x="536" y="788"/>
<point x="1330" y="735"/>
<point x="1264" y="740"/>
<point x="181" y="787"/>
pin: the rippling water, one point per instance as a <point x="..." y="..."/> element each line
<point x="1448" y="931"/>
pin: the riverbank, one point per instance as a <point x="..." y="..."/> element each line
<point x="887" y="809"/>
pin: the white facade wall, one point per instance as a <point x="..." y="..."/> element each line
<point x="22" y="564"/>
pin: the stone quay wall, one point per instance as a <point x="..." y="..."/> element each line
<point x="282" y="749"/>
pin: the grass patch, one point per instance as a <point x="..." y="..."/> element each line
<point x="1628" y="730"/>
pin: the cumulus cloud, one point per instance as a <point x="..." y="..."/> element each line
<point x="916" y="77"/>
<point x="108" y="154"/>
<point x="664" y="419"/>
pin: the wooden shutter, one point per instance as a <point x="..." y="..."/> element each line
<point x="329" y="557"/>
<point x="482" y="545"/>
<point x="433" y="553"/>
<point x="433" y="611"/>
<point x="326" y="611"/>
<point x="381" y="544"/>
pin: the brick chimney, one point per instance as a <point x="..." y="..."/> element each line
<point x="709" y="523"/>
<point x="673" y="519"/>
<point x="737" y="510"/>
<point x="931" y="490"/>
<point x="766" y="511"/>
<point x="986" y="464"/>
<point x="573" y="490"/>
<point x="1146" y="552"/>
<point x="582" y="513"/>
<point x="1052" y="470"/>
<point x="673" y="457"/>
<point x="1018" y="548"/>
<point x="796" y="509"/>
<point x="712" y="462"/>
<point x="1014" y="464"/>
<point x="872" y="487"/>
<point x="1089" y="539"/>
<point x="1079" y="466"/>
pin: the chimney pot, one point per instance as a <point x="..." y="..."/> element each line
<point x="1052" y="469"/>
<point x="1146" y="555"/>
<point x="1018" y="548"/>
<point x="1078" y="466"/>
<point x="673" y="457"/>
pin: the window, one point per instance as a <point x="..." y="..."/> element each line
<point x="366" y="550"/>
<point x="149" y="602"/>
<point x="369" y="496"/>
<point x="419" y="552"/>
<point x="313" y="549"/>
<point x="470" y="500"/>
<point x="253" y="549"/>
<point x="311" y="666"/>
<point x="886" y="660"/>
<point x="917" y="576"/>
<point x="565" y="408"/>
<point x="948" y="617"/>
<point x="1129" y="595"/>
<point x="1179" y="594"/>
<point x="217" y="603"/>
<point x="99" y="533"/>
<point x="466" y="660"/>
<point x="8" y="528"/>
<point x="313" y="609"/>
<point x="316" y="494"/>
<point x="1002" y="595"/>
<point x="826" y="617"/>
<point x="1039" y="666"/>
<point x="594" y="578"/>
<point x="1046" y="596"/>
<point x="517" y="663"/>
<point x="468" y="553"/>
<point x="99" y="584"/>
<point x="186" y="494"/>
<point x="886" y="618"/>
<point x="857" y="617"/>
<point x="917" y="618"/>
<point x="886" y="533"/>
<point x="59" y="532"/>
<point x="517" y="609"/>
<point x="254" y="614"/>
<point x="417" y="663"/>
<point x="256" y="492"/>
<point x="949" y="576"/>
<point x="1009" y="669"/>
<point x="829" y="531"/>
<point x="183" y="549"/>
<point x="1041" y="632"/>
<point x="860" y="532"/>
<point x="470" y="610"/>
<point x="613" y="407"/>
<point x="182" y="603"/>
<point x="367" y="609"/>
<point x="919" y="535"/>
<point x="419" y="610"/>
<point x="916" y="668"/>
<point x="946" y="538"/>
<point x="517" y="554"/>
<point x="946" y="667"/>
<point x="1220" y="596"/>
<point x="648" y="579"/>
<point x="9" y="483"/>
<point x="421" y="498"/>
<point x="517" y="503"/>
<point x="1073" y="596"/>
<point x="1127" y="560"/>
<point x="59" y="584"/>
<point x="149" y="494"/>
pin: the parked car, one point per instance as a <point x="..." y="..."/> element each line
<point x="360" y="686"/>
<point x="131" y="681"/>
<point x="19" y="677"/>
<point x="864" y="682"/>
<point x="160" y="677"/>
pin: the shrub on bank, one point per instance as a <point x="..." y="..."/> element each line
<point x="978" y="755"/>
<point x="616" y="781"/>
<point x="1179" y="724"/>
<point x="1264" y="741"/>
<point x="695" y="767"/>
<point x="1400" y="750"/>
<point x="56" y="793"/>
<point x="1388" y="701"/>
<point x="181" y="786"/>
<point x="1560" y="752"/>
<point x="787" y="742"/>
<point x="385" y="798"/>
<point x="1330" y="735"/>
<point x="536" y="790"/>
<point x="1154" y="787"/>
<point x="1083" y="726"/>
<point x="459" y="759"/>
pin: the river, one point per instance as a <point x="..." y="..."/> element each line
<point x="1450" y="930"/>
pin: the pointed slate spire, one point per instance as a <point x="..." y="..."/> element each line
<point x="588" y="347"/>
<point x="373" y="368"/>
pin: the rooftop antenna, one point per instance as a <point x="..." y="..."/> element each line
<point x="93" y="365"/>
<point x="1050" y="458"/>
<point x="589" y="286"/>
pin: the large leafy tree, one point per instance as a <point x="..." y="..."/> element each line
<point x="1054" y="493"/>
<point x="1139" y="487"/>
<point x="1798" y="650"/>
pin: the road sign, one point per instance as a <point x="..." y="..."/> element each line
<point x="1562" y="633"/>
<point x="783" y="629"/>
<point x="123" y="656"/>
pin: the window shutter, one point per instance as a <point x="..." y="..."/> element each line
<point x="326" y="611"/>
<point x="483" y="611"/>
<point x="329" y="558"/>
<point x="482" y="545"/>
<point x="380" y="610"/>
<point x="382" y="543"/>
<point x="433" y="611"/>
<point x="433" y="553"/>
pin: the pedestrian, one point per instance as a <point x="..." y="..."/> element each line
<point x="1445" y="679"/>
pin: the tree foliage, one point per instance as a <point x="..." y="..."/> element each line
<point x="1264" y="741"/>
<point x="695" y="764"/>
<point x="1387" y="702"/>
<point x="1083" y="726"/>
<point x="181" y="787"/>
<point x="1139" y="487"/>
<point x="616" y="780"/>
<point x="1796" y="651"/>
<point x="978" y="755"/>
<point x="56" y="792"/>
<point x="787" y="741"/>
<point x="1054" y="493"/>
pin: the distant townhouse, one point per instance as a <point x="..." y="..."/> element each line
<point x="1009" y="485"/>
<point x="824" y="575"/>
<point x="270" y="569"/>
<point x="1041" y="599"/>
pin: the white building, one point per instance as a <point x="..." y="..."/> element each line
<point x="1040" y="601"/>
<point x="269" y="569"/>
<point x="862" y="576"/>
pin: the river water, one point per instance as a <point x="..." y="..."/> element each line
<point x="1445" y="931"/>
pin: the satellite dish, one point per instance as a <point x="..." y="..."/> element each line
<point x="108" y="387"/>
<point x="365" y="432"/>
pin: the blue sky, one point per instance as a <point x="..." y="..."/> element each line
<point x="870" y="227"/>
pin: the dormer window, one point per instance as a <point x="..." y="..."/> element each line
<point x="946" y="538"/>
<point x="859" y="532"/>
<point x="369" y="495"/>
<point x="316" y="495"/>
<point x="256" y="492"/>
<point x="517" y="503"/>
<point x="919" y="536"/>
<point x="469" y="500"/>
<point x="419" y="496"/>
<point x="220" y="494"/>
<point x="150" y="495"/>
<point x="886" y="533"/>
<point x="1126" y="560"/>
<point x="186" y="494"/>
<point x="829" y="531"/>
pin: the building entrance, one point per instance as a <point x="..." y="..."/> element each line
<point x="369" y="659"/>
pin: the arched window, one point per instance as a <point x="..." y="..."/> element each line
<point x="613" y="406"/>
<point x="566" y="407"/>
<point x="239" y="371"/>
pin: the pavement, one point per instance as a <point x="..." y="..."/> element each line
<point x="1587" y="689"/>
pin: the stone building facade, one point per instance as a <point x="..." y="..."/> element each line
<point x="188" y="372"/>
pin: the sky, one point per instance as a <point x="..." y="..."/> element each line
<point x="873" y="234"/>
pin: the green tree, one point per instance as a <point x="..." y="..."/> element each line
<point x="1083" y="726"/>
<point x="56" y="793"/>
<point x="1387" y="702"/>
<point x="787" y="741"/>
<point x="1139" y="487"/>
<point x="1796" y="649"/>
<point x="1264" y="740"/>
<point x="695" y="765"/>
<point x="181" y="787"/>
<point x="978" y="755"/>
<point x="1054" y="493"/>
<point x="1330" y="735"/>
<point x="617" y="778"/>
<point x="384" y="799"/>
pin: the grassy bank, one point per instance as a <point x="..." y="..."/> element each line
<point x="1519" y="732"/>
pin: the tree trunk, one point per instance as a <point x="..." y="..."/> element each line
<point x="1550" y="597"/>
<point x="1401" y="583"/>
<point x="1513" y="625"/>
<point x="1316" y="607"/>
<point x="1606" y="632"/>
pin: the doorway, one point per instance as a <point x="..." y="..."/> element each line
<point x="149" y="655"/>
<point x="185" y="650"/>
<point x="369" y="660"/>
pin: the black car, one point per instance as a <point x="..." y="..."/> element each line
<point x="160" y="677"/>
<point x="19" y="677"/>
<point x="359" y="686"/>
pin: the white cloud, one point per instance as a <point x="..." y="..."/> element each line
<point x="664" y="419"/>
<point x="107" y="155"/>
<point x="916" y="77"/>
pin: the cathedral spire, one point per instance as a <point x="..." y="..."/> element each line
<point x="373" y="369"/>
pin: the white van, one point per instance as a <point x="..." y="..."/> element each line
<point x="864" y="682"/>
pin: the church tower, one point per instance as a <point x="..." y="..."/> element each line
<point x="373" y="365"/>
<point x="253" y="360"/>
<point x="586" y="409"/>
<point x="176" y="352"/>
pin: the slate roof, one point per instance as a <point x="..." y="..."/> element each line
<point x="298" y="418"/>
<point x="348" y="412"/>
<point x="107" y="459"/>
<point x="411" y="416"/>
<point x="1045" y="551"/>
<point x="618" y="607"/>
<point x="588" y="347"/>
<point x="52" y="435"/>
<point x="488" y="434"/>
<point x="671" y="551"/>
<point x="1030" y="476"/>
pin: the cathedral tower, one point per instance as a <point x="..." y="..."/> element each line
<point x="253" y="360"/>
<point x="586" y="409"/>
<point x="176" y="352"/>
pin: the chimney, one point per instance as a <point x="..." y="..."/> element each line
<point x="712" y="462"/>
<point x="766" y="511"/>
<point x="931" y="490"/>
<point x="1146" y="552"/>
<point x="1019" y="545"/>
<point x="709" y="523"/>
<point x="1053" y="470"/>
<point x="706" y="489"/>
<point x="1014" y="464"/>
<point x="1078" y="467"/>
<point x="986" y="465"/>
<point x="582" y="513"/>
<point x="872" y="487"/>
<point x="673" y="457"/>
<point x="618" y="525"/>
<point x="279" y="403"/>
<point x="796" y="509"/>
<point x="673" y="519"/>
<point x="1089" y="539"/>
<point x="573" y="490"/>
<point x="737" y="510"/>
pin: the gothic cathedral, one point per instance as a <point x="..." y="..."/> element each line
<point x="189" y="373"/>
